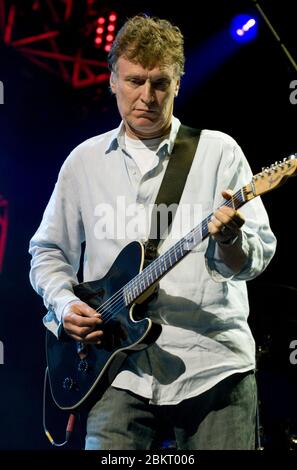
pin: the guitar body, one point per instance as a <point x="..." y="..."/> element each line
<point x="79" y="374"/>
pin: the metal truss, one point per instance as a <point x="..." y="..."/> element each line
<point x="56" y="35"/>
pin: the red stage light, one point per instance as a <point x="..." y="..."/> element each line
<point x="35" y="6"/>
<point x="112" y="17"/>
<point x="105" y="33"/>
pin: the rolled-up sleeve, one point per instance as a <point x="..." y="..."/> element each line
<point x="258" y="240"/>
<point x="56" y="246"/>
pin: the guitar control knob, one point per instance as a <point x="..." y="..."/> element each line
<point x="83" y="366"/>
<point x="68" y="383"/>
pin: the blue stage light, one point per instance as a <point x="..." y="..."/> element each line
<point x="244" y="28"/>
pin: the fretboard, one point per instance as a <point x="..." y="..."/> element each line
<point x="165" y="262"/>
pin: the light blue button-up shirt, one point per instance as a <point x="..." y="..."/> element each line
<point x="101" y="198"/>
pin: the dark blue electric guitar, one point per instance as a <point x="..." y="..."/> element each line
<point x="80" y="373"/>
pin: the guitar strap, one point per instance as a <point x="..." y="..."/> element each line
<point x="172" y="187"/>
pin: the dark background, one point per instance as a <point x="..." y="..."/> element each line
<point x="245" y="95"/>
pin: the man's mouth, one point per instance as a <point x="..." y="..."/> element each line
<point x="145" y="111"/>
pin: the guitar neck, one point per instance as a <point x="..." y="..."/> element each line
<point x="165" y="262"/>
<point x="267" y="180"/>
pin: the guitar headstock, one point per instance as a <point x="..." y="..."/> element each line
<point x="271" y="177"/>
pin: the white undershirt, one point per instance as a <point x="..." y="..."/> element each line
<point x="143" y="152"/>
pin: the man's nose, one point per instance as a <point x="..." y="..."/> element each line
<point x="147" y="95"/>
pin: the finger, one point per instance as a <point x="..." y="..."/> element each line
<point x="227" y="194"/>
<point x="215" y="225"/>
<point x="213" y="229"/>
<point x="227" y="215"/>
<point x="94" y="337"/>
<point x="83" y="334"/>
<point x="83" y="309"/>
<point x="225" y="231"/>
<point x="220" y="218"/>
<point x="77" y="330"/>
<point x="74" y="336"/>
<point x="72" y="318"/>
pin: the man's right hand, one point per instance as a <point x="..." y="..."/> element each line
<point x="81" y="322"/>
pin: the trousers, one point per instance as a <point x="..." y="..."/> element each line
<point x="222" y="418"/>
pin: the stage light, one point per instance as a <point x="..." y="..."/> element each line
<point x="109" y="37"/>
<point x="244" y="28"/>
<point x="112" y="17"/>
<point x="105" y="31"/>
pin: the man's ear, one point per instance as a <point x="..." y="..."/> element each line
<point x="177" y="88"/>
<point x="112" y="83"/>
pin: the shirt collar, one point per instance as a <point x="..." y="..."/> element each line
<point x="165" y="148"/>
<point x="115" y="138"/>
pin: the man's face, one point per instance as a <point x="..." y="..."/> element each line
<point x="144" y="97"/>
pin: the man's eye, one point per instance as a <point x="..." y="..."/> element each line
<point x="161" y="85"/>
<point x="135" y="81"/>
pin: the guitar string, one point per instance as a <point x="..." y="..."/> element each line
<point x="156" y="272"/>
<point x="117" y="300"/>
<point x="118" y="297"/>
<point x="151" y="271"/>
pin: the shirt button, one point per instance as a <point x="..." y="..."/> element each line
<point x="141" y="206"/>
